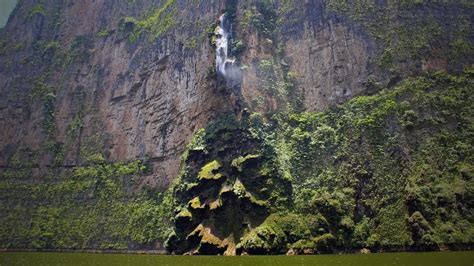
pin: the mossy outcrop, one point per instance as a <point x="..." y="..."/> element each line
<point x="379" y="172"/>
<point x="337" y="135"/>
<point x="227" y="198"/>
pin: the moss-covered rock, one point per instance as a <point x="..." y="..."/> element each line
<point x="220" y="198"/>
<point x="209" y="170"/>
<point x="380" y="171"/>
<point x="242" y="161"/>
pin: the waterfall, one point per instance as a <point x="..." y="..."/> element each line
<point x="224" y="64"/>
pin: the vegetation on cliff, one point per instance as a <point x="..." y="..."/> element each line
<point x="82" y="208"/>
<point x="391" y="169"/>
<point x="406" y="35"/>
<point x="376" y="172"/>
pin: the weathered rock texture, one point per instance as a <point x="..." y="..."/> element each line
<point x="329" y="59"/>
<point x="93" y="82"/>
<point x="146" y="97"/>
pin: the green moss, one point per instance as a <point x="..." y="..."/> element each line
<point x="327" y="165"/>
<point x="280" y="232"/>
<point x="155" y="24"/>
<point x="389" y="170"/>
<point x="103" y="33"/>
<point x="266" y="238"/>
<point x="352" y="182"/>
<point x="75" y="126"/>
<point x="185" y="213"/>
<point x="95" y="158"/>
<point x="208" y="171"/>
<point x="48" y="46"/>
<point x="191" y="43"/>
<point x="80" y="51"/>
<point x="408" y="31"/>
<point x="196" y="203"/>
<point x="42" y="91"/>
<point x="206" y="237"/>
<point x="392" y="226"/>
<point x="38" y="9"/>
<point x="47" y="96"/>
<point x="240" y="161"/>
<point x="87" y="207"/>
<point x="236" y="201"/>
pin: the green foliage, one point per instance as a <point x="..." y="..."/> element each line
<point x="266" y="238"/>
<point x="237" y="47"/>
<point x="103" y="33"/>
<point x="46" y="47"/>
<point x="390" y="157"/>
<point x="41" y="91"/>
<point x="47" y="96"/>
<point x="362" y="232"/>
<point x="391" y="226"/>
<point x="269" y="16"/>
<point x="223" y="188"/>
<point x="263" y="18"/>
<point x="208" y="171"/>
<point x="88" y="207"/>
<point x="38" y="9"/>
<point x="191" y="43"/>
<point x="75" y="126"/>
<point x="240" y="162"/>
<point x="389" y="170"/>
<point x="277" y="84"/>
<point x="155" y="24"/>
<point x="415" y="37"/>
<point x="80" y="51"/>
<point x="280" y="232"/>
<point x="380" y="171"/>
<point x="56" y="149"/>
<point x="19" y="165"/>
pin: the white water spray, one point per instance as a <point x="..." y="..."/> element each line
<point x="224" y="64"/>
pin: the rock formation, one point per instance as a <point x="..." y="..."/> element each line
<point x="107" y="90"/>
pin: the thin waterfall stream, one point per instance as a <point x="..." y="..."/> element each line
<point x="225" y="65"/>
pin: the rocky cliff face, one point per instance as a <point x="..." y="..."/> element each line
<point x="87" y="84"/>
<point x="142" y="72"/>
<point x="137" y="99"/>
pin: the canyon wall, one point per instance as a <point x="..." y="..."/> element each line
<point x="94" y="83"/>
<point x="140" y="73"/>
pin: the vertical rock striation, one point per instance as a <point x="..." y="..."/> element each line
<point x="90" y="84"/>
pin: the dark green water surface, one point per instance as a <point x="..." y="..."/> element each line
<point x="430" y="258"/>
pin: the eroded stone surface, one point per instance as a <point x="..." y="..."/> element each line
<point x="145" y="98"/>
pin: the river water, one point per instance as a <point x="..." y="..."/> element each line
<point x="463" y="258"/>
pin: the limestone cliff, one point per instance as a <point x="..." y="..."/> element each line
<point x="89" y="85"/>
<point x="141" y="99"/>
